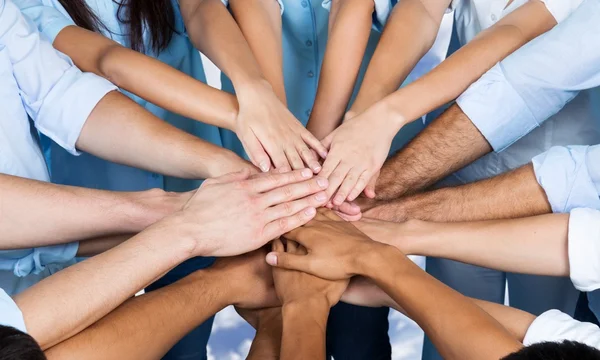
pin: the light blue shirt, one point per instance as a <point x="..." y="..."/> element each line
<point x="305" y="33"/>
<point x="90" y="171"/>
<point x="10" y="314"/>
<point x="39" y="83"/>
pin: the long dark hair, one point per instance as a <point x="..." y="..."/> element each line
<point x="157" y="16"/>
<point x="82" y="15"/>
<point x="16" y="345"/>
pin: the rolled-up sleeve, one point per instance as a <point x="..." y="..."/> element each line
<point x="561" y="9"/>
<point x="383" y="9"/>
<point x="49" y="21"/>
<point x="57" y="96"/>
<point x="555" y="326"/>
<point x="33" y="261"/>
<point x="570" y="176"/>
<point x="536" y="81"/>
<point x="280" y="2"/>
<point x="584" y="249"/>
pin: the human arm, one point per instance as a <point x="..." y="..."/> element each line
<point x="349" y="29"/>
<point x="458" y="328"/>
<point x="176" y="310"/>
<point x="306" y="300"/>
<point x="268" y="325"/>
<point x="263" y="120"/>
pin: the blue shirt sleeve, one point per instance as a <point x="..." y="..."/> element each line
<point x="33" y="261"/>
<point x="570" y="176"/>
<point x="538" y="80"/>
<point x="48" y="20"/>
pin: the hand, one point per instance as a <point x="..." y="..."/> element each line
<point x="226" y="162"/>
<point x="335" y="248"/>
<point x="248" y="279"/>
<point x="235" y="214"/>
<point x="363" y="292"/>
<point x="257" y="318"/>
<point x="296" y="287"/>
<point x="271" y="134"/>
<point x="357" y="151"/>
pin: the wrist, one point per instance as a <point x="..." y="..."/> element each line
<point x="144" y="208"/>
<point x="315" y="307"/>
<point x="390" y="114"/>
<point x="376" y="259"/>
<point x="251" y="86"/>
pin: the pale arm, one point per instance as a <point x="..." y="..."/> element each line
<point x="167" y="87"/>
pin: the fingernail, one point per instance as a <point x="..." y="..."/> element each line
<point x="321" y="196"/>
<point x="324" y="154"/>
<point x="264" y="166"/>
<point x="310" y="211"/>
<point x="322" y="183"/>
<point x="272" y="259"/>
<point x="316" y="169"/>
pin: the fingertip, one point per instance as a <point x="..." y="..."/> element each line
<point x="264" y="166"/>
<point x="271" y="259"/>
<point x="310" y="212"/>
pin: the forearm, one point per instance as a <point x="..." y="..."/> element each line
<point x="410" y="32"/>
<point x="167" y="87"/>
<point x="350" y="26"/>
<point x="215" y="33"/>
<point x="448" y="80"/>
<point x="510" y="195"/>
<point x="64" y="214"/>
<point x="304" y="323"/>
<point x="445" y="146"/>
<point x="121" y="131"/>
<point x="267" y="342"/>
<point x="130" y="333"/>
<point x="95" y="246"/>
<point x="98" y="285"/>
<point x="458" y="328"/>
<point x="260" y="23"/>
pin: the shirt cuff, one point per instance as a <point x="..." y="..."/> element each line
<point x="497" y="110"/>
<point x="555" y="326"/>
<point x="49" y="20"/>
<point x="383" y="9"/>
<point x="584" y="249"/>
<point x="68" y="110"/>
<point x="561" y="9"/>
<point x="39" y="258"/>
<point x="280" y="2"/>
<point x="564" y="175"/>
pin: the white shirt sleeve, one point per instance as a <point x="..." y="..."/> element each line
<point x="10" y="314"/>
<point x="538" y="80"/>
<point x="50" y="21"/>
<point x="584" y="249"/>
<point x="561" y="9"/>
<point x="280" y="2"/>
<point x="555" y="326"/>
<point x="383" y="9"/>
<point x="57" y="96"/>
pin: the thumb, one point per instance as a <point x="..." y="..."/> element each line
<point x="288" y="261"/>
<point x="370" y="188"/>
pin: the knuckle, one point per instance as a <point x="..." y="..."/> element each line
<point x="283" y="224"/>
<point x="288" y="192"/>
<point x="288" y="208"/>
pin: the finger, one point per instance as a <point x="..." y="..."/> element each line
<point x="328" y="140"/>
<point x="278" y="158"/>
<point x="293" y="207"/>
<point x="331" y="215"/>
<point x="277" y="245"/>
<point x="231" y="177"/>
<point x="349" y="218"/>
<point x="348" y="208"/>
<point x="338" y="179"/>
<point x="359" y="187"/>
<point x="269" y="181"/>
<point x="256" y="153"/>
<point x="314" y="143"/>
<point x="370" y="188"/>
<point x="294" y="159"/>
<point x="292" y="192"/>
<point x="288" y="261"/>
<point x="309" y="158"/>
<point x="292" y="246"/>
<point x="284" y="225"/>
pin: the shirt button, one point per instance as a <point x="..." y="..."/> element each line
<point x="304" y="4"/>
<point x="493" y="17"/>
<point x="308" y="112"/>
<point x="311" y="74"/>
<point x="308" y="43"/>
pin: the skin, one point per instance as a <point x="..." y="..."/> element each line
<point x="264" y="125"/>
<point x="458" y="328"/>
<point x="244" y="281"/>
<point x="357" y="152"/>
<point x="268" y="325"/>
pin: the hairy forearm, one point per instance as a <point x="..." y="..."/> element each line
<point x="260" y="23"/>
<point x="304" y="323"/>
<point x="128" y="332"/>
<point x="215" y="33"/>
<point x="510" y="195"/>
<point x="98" y="285"/>
<point x="350" y="26"/>
<point x="63" y="214"/>
<point x="409" y="33"/>
<point x="447" y="145"/>
<point x="448" y="80"/>
<point x="167" y="87"/>
<point x="458" y="328"/>
<point x="121" y="131"/>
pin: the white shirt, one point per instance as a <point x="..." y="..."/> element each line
<point x="37" y="82"/>
<point x="584" y="249"/>
<point x="10" y="314"/>
<point x="555" y="326"/>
